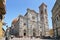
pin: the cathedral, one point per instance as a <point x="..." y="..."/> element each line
<point x="32" y="24"/>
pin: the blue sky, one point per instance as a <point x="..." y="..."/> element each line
<point x="16" y="7"/>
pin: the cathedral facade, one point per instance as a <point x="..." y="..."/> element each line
<point x="32" y="24"/>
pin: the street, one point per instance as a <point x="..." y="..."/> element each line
<point x="27" y="39"/>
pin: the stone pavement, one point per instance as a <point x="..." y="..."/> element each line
<point x="26" y="39"/>
<point x="29" y="39"/>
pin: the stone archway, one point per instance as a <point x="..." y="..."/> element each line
<point x="24" y="32"/>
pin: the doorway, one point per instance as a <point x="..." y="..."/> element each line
<point x="24" y="32"/>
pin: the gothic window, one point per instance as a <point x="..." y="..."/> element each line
<point x="45" y="11"/>
<point x="41" y="12"/>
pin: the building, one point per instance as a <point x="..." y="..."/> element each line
<point x="56" y="18"/>
<point x="44" y="19"/>
<point x="30" y="24"/>
<point x="15" y="28"/>
<point x="2" y="13"/>
<point x="51" y="33"/>
<point x="33" y="23"/>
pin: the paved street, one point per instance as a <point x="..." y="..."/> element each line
<point x="27" y="39"/>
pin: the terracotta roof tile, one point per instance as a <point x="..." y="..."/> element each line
<point x="14" y="21"/>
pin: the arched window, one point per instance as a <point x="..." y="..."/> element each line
<point x="41" y="12"/>
<point x="45" y="11"/>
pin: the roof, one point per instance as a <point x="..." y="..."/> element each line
<point x="15" y="20"/>
<point x="43" y="4"/>
<point x="30" y="11"/>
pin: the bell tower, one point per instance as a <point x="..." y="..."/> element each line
<point x="43" y="19"/>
